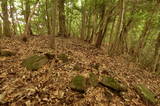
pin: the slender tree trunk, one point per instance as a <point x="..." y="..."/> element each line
<point x="12" y="9"/>
<point x="6" y="24"/>
<point x="83" y="26"/>
<point x="141" y="42"/>
<point x="111" y="35"/>
<point x="105" y="19"/>
<point x="27" y="14"/>
<point x="27" y="29"/>
<point x="93" y="29"/>
<point x="62" y="23"/>
<point x="116" y="46"/>
<point x="156" y="65"/>
<point x="0" y="30"/>
<point x="48" y="18"/>
<point x="54" y="8"/>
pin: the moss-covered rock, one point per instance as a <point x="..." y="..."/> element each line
<point x="34" y="62"/>
<point x="147" y="95"/>
<point x="7" y="53"/>
<point x="63" y="57"/>
<point x="112" y="83"/>
<point x="78" y="83"/>
<point x="93" y="79"/>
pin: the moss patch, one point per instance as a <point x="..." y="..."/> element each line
<point x="112" y="83"/>
<point x="146" y="94"/>
<point x="78" y="83"/>
<point x="93" y="79"/>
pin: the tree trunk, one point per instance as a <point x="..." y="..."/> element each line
<point x="27" y="13"/>
<point x="116" y="48"/>
<point x="105" y="18"/>
<point x="156" y="65"/>
<point x="141" y="42"/>
<point x="48" y="20"/>
<point x="62" y="23"/>
<point x="12" y="9"/>
<point x="27" y="26"/>
<point x="0" y="30"/>
<point x="6" y="24"/>
<point x="54" y="8"/>
<point x="83" y="26"/>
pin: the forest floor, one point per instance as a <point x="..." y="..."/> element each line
<point x="50" y="84"/>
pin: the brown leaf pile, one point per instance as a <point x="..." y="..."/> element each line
<point x="50" y="84"/>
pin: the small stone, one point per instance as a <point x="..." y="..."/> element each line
<point x="78" y="83"/>
<point x="147" y="95"/>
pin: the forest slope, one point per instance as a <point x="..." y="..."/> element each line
<point x="50" y="84"/>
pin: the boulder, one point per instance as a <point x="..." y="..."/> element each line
<point x="35" y="62"/>
<point x="146" y="94"/>
<point x="78" y="83"/>
<point x="112" y="84"/>
<point x="93" y="79"/>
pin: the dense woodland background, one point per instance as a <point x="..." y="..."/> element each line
<point x="129" y="27"/>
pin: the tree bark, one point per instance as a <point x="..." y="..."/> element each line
<point x="116" y="47"/>
<point x="105" y="19"/>
<point x="48" y="20"/>
<point x="54" y="8"/>
<point x="12" y="9"/>
<point x="27" y="31"/>
<point x="0" y="30"/>
<point x="156" y="65"/>
<point x="83" y="26"/>
<point x="27" y="14"/>
<point x="62" y="23"/>
<point x="6" y="24"/>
